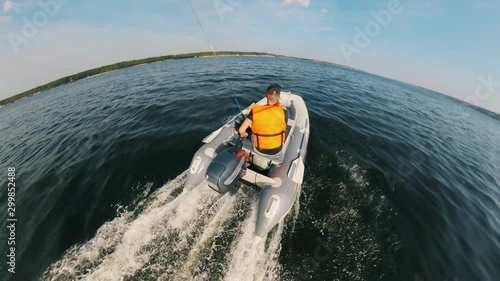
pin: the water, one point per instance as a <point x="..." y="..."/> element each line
<point x="401" y="183"/>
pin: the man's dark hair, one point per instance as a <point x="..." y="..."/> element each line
<point x="273" y="88"/>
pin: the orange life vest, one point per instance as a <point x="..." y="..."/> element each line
<point x="268" y="126"/>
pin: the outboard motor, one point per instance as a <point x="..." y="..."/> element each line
<point x="225" y="170"/>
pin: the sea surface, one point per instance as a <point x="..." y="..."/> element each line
<point x="401" y="183"/>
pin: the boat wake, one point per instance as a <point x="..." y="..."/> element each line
<point x="177" y="235"/>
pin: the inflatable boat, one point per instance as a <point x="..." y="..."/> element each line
<point x="225" y="159"/>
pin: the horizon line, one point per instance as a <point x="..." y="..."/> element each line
<point x="208" y="53"/>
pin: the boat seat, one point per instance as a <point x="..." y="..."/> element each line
<point x="276" y="159"/>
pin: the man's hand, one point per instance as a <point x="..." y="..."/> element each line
<point x="244" y="127"/>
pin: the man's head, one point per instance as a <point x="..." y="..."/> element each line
<point x="273" y="93"/>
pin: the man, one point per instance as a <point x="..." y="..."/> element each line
<point x="268" y="123"/>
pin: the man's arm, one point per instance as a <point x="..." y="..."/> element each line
<point x="244" y="127"/>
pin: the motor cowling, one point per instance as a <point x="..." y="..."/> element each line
<point x="225" y="170"/>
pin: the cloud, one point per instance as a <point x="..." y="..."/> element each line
<point x="300" y="3"/>
<point x="324" y="12"/>
<point x="9" y="6"/>
<point x="5" y="19"/>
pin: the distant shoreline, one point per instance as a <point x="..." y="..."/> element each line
<point x="124" y="64"/>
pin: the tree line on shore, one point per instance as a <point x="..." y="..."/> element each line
<point x="120" y="65"/>
<point x="125" y="64"/>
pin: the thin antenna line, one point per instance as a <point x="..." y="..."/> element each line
<point x="215" y="54"/>
<point x="201" y="26"/>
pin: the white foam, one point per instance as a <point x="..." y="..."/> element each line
<point x="223" y="214"/>
<point x="127" y="257"/>
<point x="249" y="258"/>
<point x="108" y="236"/>
<point x="173" y="225"/>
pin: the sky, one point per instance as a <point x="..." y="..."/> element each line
<point x="450" y="46"/>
